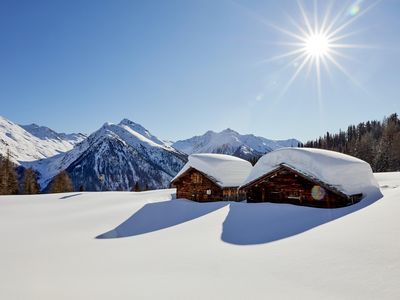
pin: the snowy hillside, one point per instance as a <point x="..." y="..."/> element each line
<point x="177" y="249"/>
<point x="47" y="134"/>
<point x="122" y="154"/>
<point x="32" y="143"/>
<point x="231" y="142"/>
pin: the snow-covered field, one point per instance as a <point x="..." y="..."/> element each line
<point x="152" y="247"/>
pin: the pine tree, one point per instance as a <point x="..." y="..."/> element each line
<point x="30" y="184"/>
<point x="136" y="187"/>
<point x="254" y="159"/>
<point x="2" y="176"/>
<point x="378" y="143"/>
<point x="8" y="176"/>
<point x="61" y="183"/>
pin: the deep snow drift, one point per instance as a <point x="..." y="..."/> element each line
<point x="177" y="249"/>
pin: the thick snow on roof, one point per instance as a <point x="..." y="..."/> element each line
<point x="226" y="170"/>
<point x="348" y="174"/>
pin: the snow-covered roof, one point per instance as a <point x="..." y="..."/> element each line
<point x="224" y="170"/>
<point x="345" y="173"/>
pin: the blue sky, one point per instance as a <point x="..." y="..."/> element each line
<point x="180" y="68"/>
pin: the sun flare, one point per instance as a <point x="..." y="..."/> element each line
<point x="319" y="41"/>
<point x="317" y="45"/>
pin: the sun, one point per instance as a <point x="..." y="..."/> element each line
<point x="317" y="45"/>
<point x="319" y="41"/>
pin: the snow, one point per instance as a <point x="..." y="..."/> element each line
<point x="177" y="249"/>
<point x="226" y="170"/>
<point x="390" y="180"/>
<point x="155" y="155"/>
<point x="26" y="147"/>
<point x="140" y="130"/>
<point x="348" y="174"/>
<point x="229" y="141"/>
<point x="45" y="133"/>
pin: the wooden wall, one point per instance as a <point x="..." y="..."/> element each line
<point x="195" y="186"/>
<point x="285" y="186"/>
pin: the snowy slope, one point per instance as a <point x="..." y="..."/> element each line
<point x="47" y="134"/>
<point x="123" y="154"/>
<point x="177" y="249"/>
<point x="25" y="146"/>
<point x="231" y="142"/>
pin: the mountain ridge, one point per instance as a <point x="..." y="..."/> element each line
<point x="117" y="156"/>
<point x="25" y="146"/>
<point x="229" y="141"/>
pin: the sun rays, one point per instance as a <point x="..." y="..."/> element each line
<point x="319" y="42"/>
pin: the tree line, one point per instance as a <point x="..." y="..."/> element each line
<point x="11" y="183"/>
<point x="376" y="142"/>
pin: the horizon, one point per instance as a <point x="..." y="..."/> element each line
<point x="180" y="69"/>
<point x="195" y="135"/>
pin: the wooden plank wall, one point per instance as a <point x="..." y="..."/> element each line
<point x="287" y="187"/>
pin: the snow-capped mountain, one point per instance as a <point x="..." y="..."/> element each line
<point x="115" y="157"/>
<point x="47" y="134"/>
<point x="26" y="145"/>
<point x="231" y="142"/>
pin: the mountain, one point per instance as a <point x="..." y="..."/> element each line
<point x="115" y="157"/>
<point x="231" y="142"/>
<point x="28" y="143"/>
<point x="47" y="134"/>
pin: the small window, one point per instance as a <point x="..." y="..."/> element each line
<point x="196" y="178"/>
<point x="208" y="192"/>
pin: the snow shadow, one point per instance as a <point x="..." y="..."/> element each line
<point x="70" y="196"/>
<point x="160" y="215"/>
<point x="259" y="223"/>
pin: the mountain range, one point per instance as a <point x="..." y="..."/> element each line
<point x="32" y="142"/>
<point x="230" y="142"/>
<point x="118" y="156"/>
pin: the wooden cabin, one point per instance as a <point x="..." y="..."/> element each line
<point x="285" y="184"/>
<point x="211" y="177"/>
<point x="311" y="177"/>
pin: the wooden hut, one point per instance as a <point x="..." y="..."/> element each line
<point x="211" y="177"/>
<point x="311" y="177"/>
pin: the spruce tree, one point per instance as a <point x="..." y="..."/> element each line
<point x="8" y="176"/>
<point x="61" y="183"/>
<point x="136" y="188"/>
<point x="378" y="143"/>
<point x="2" y="176"/>
<point x="30" y="184"/>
